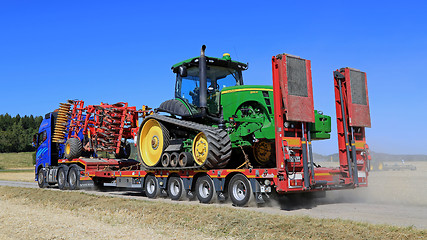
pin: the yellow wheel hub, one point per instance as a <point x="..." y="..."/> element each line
<point x="200" y="148"/>
<point x="67" y="149"/>
<point x="262" y="152"/>
<point x="151" y="142"/>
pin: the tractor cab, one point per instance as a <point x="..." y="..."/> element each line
<point x="190" y="98"/>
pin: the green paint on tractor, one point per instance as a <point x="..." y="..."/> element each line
<point x="247" y="111"/>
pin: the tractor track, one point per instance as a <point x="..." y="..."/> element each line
<point x="219" y="143"/>
<point x="402" y="215"/>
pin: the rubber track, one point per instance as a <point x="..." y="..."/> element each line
<point x="219" y="144"/>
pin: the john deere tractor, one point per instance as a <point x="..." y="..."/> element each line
<point x="213" y="117"/>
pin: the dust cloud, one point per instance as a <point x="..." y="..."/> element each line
<point x="403" y="187"/>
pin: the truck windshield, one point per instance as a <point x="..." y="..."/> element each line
<point x="187" y="88"/>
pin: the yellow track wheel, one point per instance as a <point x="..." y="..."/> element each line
<point x="200" y="148"/>
<point x="153" y="139"/>
<point x="263" y="151"/>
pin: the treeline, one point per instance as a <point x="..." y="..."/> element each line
<point x="16" y="133"/>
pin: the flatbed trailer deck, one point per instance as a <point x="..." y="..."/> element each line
<point x="263" y="181"/>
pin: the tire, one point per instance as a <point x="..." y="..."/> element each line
<point x="239" y="190"/>
<point x="264" y="153"/>
<point x="151" y="187"/>
<point x="74" y="178"/>
<point x="62" y="177"/>
<point x="205" y="190"/>
<point x="73" y="148"/>
<point x="176" y="188"/>
<point x="41" y="179"/>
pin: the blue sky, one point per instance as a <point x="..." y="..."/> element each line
<point x="112" y="51"/>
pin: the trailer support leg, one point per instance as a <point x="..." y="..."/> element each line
<point x="304" y="159"/>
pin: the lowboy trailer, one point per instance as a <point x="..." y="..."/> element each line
<point x="213" y="158"/>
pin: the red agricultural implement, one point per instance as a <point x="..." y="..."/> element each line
<point x="99" y="128"/>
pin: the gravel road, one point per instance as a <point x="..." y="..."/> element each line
<point x="359" y="205"/>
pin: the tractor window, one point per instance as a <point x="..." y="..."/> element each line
<point x="187" y="88"/>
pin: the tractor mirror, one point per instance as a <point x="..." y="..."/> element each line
<point x="182" y="71"/>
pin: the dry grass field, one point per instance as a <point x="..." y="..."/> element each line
<point x="21" y="176"/>
<point x="46" y="214"/>
<point x="21" y="160"/>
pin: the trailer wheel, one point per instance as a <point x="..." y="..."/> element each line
<point x="41" y="179"/>
<point x="176" y="188"/>
<point x="151" y="187"/>
<point x="62" y="177"/>
<point x="239" y="190"/>
<point x="74" y="178"/>
<point x="73" y="148"/>
<point x="205" y="189"/>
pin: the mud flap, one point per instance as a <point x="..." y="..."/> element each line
<point x="256" y="189"/>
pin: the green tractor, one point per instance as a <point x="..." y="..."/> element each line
<point x="215" y="121"/>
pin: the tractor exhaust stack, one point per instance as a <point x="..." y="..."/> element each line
<point x="203" y="81"/>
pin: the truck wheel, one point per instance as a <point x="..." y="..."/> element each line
<point x="41" y="179"/>
<point x="205" y="189"/>
<point x="151" y="187"/>
<point x="176" y="188"/>
<point x="62" y="177"/>
<point x="73" y="148"/>
<point x="74" y="178"/>
<point x="239" y="190"/>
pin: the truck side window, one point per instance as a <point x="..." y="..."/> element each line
<point x="42" y="137"/>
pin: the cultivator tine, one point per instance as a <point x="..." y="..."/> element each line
<point x="61" y="123"/>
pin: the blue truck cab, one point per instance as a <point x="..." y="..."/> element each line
<point x="47" y="152"/>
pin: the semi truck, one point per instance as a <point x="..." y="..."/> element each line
<point x="217" y="139"/>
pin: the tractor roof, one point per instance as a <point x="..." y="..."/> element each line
<point x="212" y="61"/>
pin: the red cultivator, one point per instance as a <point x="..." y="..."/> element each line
<point x="104" y="127"/>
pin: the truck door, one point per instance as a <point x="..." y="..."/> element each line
<point x="43" y="152"/>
